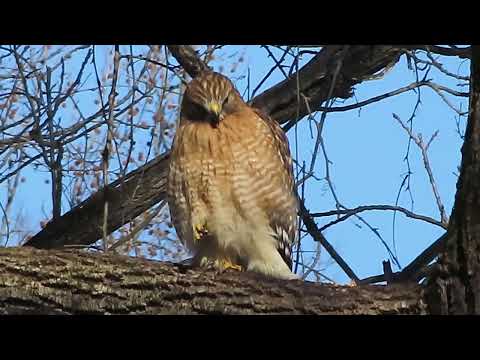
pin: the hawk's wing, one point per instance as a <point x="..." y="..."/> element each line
<point x="177" y="190"/>
<point x="283" y="219"/>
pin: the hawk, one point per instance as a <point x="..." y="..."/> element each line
<point x="230" y="183"/>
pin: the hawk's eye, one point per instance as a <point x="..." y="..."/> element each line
<point x="196" y="111"/>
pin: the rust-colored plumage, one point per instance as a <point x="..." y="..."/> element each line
<point x="230" y="185"/>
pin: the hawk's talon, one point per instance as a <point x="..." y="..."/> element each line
<point x="199" y="232"/>
<point x="227" y="265"/>
<point x="220" y="265"/>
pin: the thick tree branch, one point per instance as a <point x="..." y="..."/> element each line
<point x="359" y="63"/>
<point x="78" y="282"/>
<point x="128" y="198"/>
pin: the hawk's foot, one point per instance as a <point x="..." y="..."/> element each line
<point x="220" y="265"/>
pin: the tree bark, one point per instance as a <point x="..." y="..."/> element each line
<point x="144" y="187"/>
<point x="78" y="282"/>
<point x="455" y="287"/>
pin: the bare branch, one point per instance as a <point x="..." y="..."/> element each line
<point x="414" y="270"/>
<point x="324" y="114"/>
<point x="462" y="53"/>
<point x="148" y="218"/>
<point x="267" y="75"/>
<point x="350" y="212"/>
<point x="281" y="101"/>
<point x="424" y="147"/>
<point x="108" y="144"/>
<point x="188" y="59"/>
<point x="317" y="236"/>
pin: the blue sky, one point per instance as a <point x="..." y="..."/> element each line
<point x="366" y="148"/>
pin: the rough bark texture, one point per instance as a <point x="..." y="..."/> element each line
<point x="77" y="282"/>
<point x="455" y="289"/>
<point x="144" y="187"/>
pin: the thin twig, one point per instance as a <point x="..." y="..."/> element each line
<point x="146" y="220"/>
<point x="108" y="143"/>
<point x="424" y="148"/>
<point x="315" y="271"/>
<point x="7" y="225"/>
<point x="324" y="113"/>
<point x="277" y="64"/>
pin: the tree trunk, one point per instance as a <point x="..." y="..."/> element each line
<point x="455" y="288"/>
<point x="78" y="282"/>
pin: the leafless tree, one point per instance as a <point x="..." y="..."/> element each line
<point x="100" y="120"/>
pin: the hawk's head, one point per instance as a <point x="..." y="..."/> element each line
<point x="210" y="97"/>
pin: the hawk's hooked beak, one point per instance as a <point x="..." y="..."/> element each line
<point x="216" y="109"/>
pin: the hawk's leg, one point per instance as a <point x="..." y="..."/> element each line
<point x="205" y="257"/>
